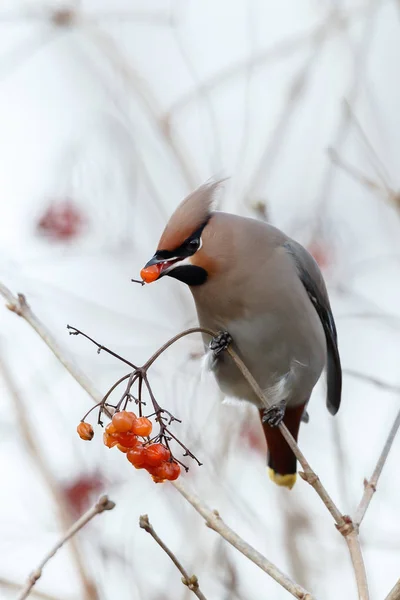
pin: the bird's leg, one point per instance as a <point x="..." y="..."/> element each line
<point x="273" y="415"/>
<point x="220" y="342"/>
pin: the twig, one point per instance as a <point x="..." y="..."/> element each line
<point x="190" y="581"/>
<point x="309" y="475"/>
<point x="355" y="173"/>
<point x="214" y="521"/>
<point x="373" y="380"/>
<point x="343" y="523"/>
<point x="360" y="62"/>
<point x="101" y="505"/>
<point x="19" y="306"/>
<point x="353" y="544"/>
<point x="139" y="86"/>
<point x="296" y="92"/>
<point x="12" y="585"/>
<point x="279" y="51"/>
<point x="59" y="501"/>
<point x="394" y="594"/>
<point x="370" y="486"/>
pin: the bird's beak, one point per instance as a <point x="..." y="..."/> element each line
<point x="155" y="268"/>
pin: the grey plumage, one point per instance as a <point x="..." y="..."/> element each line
<point x="257" y="294"/>
<point x="250" y="279"/>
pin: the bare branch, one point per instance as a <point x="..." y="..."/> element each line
<point x="309" y="475"/>
<point x="275" y="53"/>
<point x="139" y="86"/>
<point x="373" y="380"/>
<point x="394" y="594"/>
<point x="370" y="486"/>
<point x="103" y="504"/>
<point x="12" y="585"/>
<point x="353" y="544"/>
<point x="59" y="501"/>
<point x="190" y="581"/>
<point x="214" y="521"/>
<point x="343" y="523"/>
<point x="19" y="306"/>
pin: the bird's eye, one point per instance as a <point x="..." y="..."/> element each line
<point x="193" y="244"/>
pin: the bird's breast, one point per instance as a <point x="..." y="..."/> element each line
<point x="285" y="358"/>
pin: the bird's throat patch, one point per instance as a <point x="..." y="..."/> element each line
<point x="190" y="274"/>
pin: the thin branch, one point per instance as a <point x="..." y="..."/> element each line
<point x="279" y="51"/>
<point x="190" y="581"/>
<point x="296" y="92"/>
<point x="356" y="173"/>
<point x="214" y="521"/>
<point x="394" y="594"/>
<point x="309" y="475"/>
<point x="59" y="501"/>
<point x="389" y="387"/>
<point x="353" y="544"/>
<point x="12" y="585"/>
<point x="343" y="523"/>
<point x="74" y="331"/>
<point x="360" y="63"/>
<point x="370" y="486"/>
<point x="19" y="306"/>
<point x="138" y="85"/>
<point x="103" y="504"/>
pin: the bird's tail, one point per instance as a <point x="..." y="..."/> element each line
<point x="282" y="463"/>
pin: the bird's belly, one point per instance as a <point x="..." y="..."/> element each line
<point x="285" y="364"/>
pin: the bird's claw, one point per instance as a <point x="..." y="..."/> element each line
<point x="220" y="343"/>
<point x="273" y="415"/>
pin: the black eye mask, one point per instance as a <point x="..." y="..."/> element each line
<point x="188" y="248"/>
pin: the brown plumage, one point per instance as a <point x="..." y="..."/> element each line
<point x="250" y="279"/>
<point x="193" y="212"/>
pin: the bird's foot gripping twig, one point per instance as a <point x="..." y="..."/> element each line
<point x="273" y="416"/>
<point x="220" y="343"/>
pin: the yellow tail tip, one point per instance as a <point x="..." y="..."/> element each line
<point x="284" y="480"/>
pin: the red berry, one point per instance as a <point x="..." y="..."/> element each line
<point x="123" y="421"/>
<point x="137" y="456"/>
<point x="167" y="470"/>
<point x="122" y="448"/>
<point x="128" y="440"/>
<point x="111" y="429"/>
<point x="62" y="220"/>
<point x="142" y="426"/>
<point x="109" y="440"/>
<point x="85" y="431"/>
<point x="156" y="454"/>
<point x="172" y="470"/>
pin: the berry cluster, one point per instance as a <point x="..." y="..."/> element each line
<point x="131" y="433"/>
<point x="124" y="432"/>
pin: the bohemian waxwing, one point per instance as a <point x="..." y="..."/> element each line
<point x="264" y="289"/>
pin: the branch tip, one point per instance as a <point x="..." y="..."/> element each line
<point x="104" y="503"/>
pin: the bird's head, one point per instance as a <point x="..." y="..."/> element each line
<point x="182" y="249"/>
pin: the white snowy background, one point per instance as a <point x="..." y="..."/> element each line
<point x="110" y="113"/>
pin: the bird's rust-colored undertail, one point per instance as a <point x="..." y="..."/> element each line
<point x="282" y="463"/>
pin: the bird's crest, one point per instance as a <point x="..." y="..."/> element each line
<point x="191" y="214"/>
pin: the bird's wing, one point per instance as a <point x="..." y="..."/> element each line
<point x="314" y="284"/>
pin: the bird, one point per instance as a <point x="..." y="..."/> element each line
<point x="263" y="293"/>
